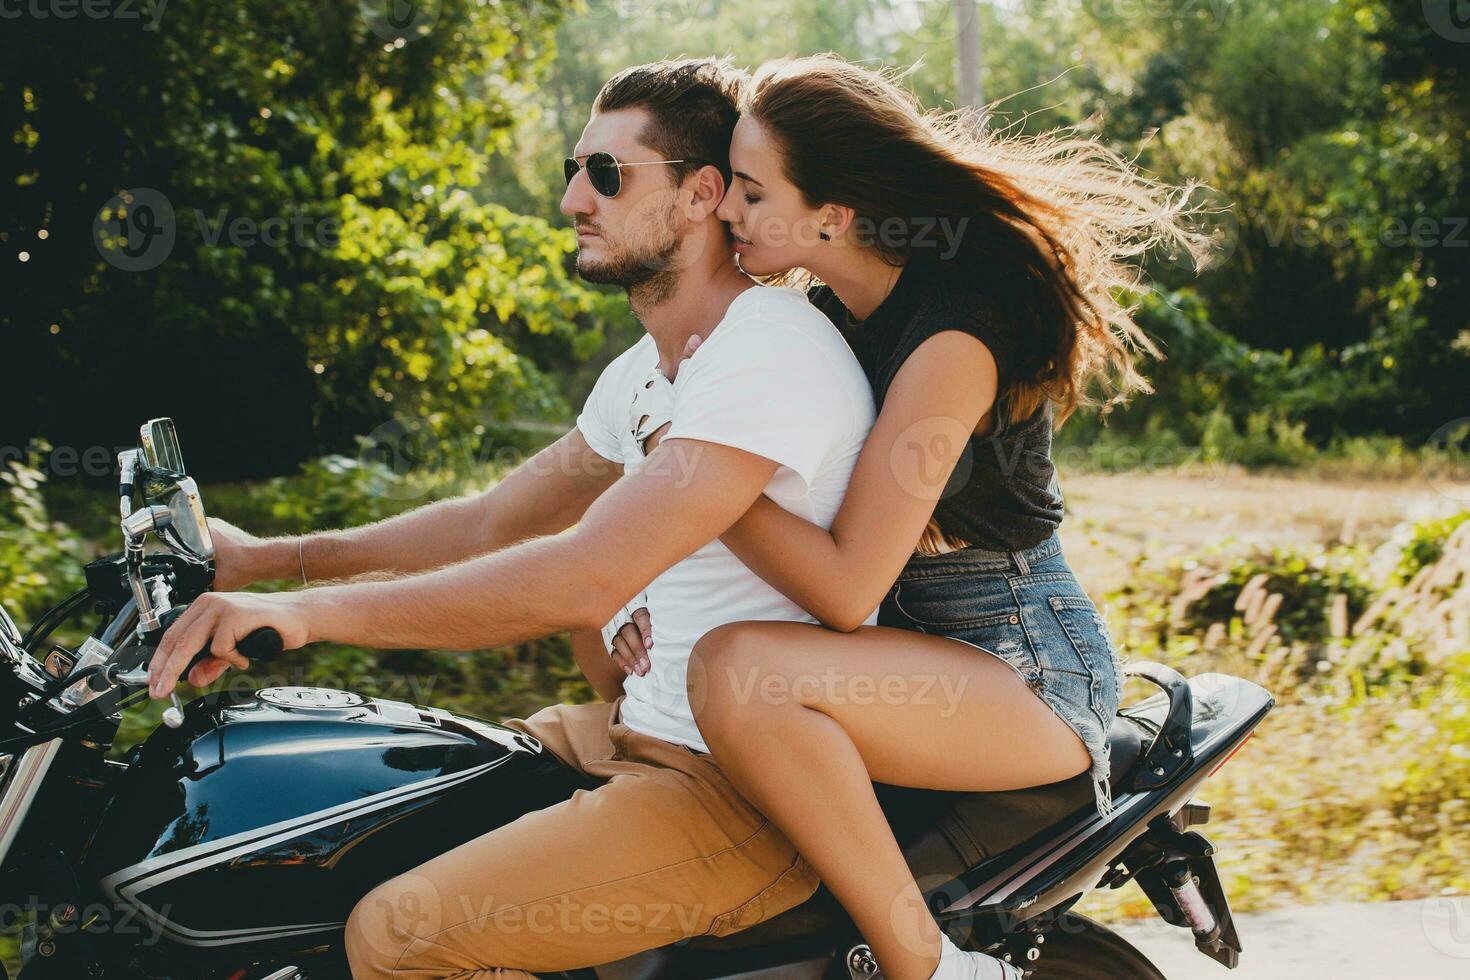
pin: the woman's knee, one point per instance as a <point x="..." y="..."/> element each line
<point x="721" y="666"/>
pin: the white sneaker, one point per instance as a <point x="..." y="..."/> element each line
<point x="959" y="964"/>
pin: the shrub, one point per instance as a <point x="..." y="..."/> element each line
<point x="41" y="559"/>
<point x="1295" y="592"/>
<point x="1426" y="543"/>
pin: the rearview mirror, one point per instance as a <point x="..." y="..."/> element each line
<point x="187" y="530"/>
<point x="160" y="444"/>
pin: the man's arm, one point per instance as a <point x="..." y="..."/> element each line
<point x="547" y="493"/>
<point x="685" y="496"/>
<point x="601" y="671"/>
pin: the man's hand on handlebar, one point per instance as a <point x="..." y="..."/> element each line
<point x="218" y="621"/>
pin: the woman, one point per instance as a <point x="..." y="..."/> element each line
<point x="976" y="278"/>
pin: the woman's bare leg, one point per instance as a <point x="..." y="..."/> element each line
<point x="804" y="720"/>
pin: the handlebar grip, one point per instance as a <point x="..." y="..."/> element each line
<point x="262" y="645"/>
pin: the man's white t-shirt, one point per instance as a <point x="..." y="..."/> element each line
<point x="774" y="378"/>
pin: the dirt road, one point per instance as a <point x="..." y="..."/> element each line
<point x="1423" y="940"/>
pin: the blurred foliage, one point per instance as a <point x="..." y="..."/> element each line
<point x="41" y="558"/>
<point x="432" y="280"/>
<point x="1307" y="584"/>
<point x="1288" y="612"/>
<point x="1425" y="544"/>
<point x="1357" y="786"/>
<point x="1294" y="591"/>
<point x="1333" y="133"/>
<point x="1344" y="164"/>
<point x="398" y="287"/>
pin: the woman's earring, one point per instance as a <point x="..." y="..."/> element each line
<point x="825" y="237"/>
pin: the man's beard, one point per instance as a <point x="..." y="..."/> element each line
<point x="649" y="275"/>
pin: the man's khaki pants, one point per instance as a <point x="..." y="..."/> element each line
<point x="665" y="849"/>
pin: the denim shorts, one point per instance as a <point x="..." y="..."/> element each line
<point x="1028" y="609"/>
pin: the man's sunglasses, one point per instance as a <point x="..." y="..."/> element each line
<point x="606" y="173"/>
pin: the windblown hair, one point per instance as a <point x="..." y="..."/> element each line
<point x="1059" y="220"/>
<point x="694" y="105"/>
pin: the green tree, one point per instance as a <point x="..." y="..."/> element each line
<point x="332" y="266"/>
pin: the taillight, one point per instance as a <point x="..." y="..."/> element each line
<point x="1232" y="753"/>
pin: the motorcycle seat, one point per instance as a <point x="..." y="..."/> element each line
<point x="944" y="834"/>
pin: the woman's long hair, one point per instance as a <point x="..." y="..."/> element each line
<point x="1059" y="221"/>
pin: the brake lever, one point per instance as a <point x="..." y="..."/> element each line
<point x="173" y="715"/>
<point x="137" y="677"/>
<point x="263" y="645"/>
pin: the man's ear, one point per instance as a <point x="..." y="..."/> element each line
<point x="706" y="188"/>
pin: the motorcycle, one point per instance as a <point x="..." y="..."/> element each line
<point x="232" y="842"/>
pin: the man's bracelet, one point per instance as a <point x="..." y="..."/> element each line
<point x="301" y="558"/>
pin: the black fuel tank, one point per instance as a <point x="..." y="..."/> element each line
<point x="266" y="816"/>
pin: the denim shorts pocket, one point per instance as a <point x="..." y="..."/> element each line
<point x="1007" y="640"/>
<point x="1089" y="637"/>
<point x="956" y="603"/>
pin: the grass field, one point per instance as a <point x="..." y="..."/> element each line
<point x="1113" y="519"/>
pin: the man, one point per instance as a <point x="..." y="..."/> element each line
<point x="772" y="402"/>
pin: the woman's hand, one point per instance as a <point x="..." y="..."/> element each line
<point x="632" y="643"/>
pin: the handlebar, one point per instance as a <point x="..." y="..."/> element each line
<point x="263" y="645"/>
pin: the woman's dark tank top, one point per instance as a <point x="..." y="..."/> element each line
<point x="1003" y="494"/>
